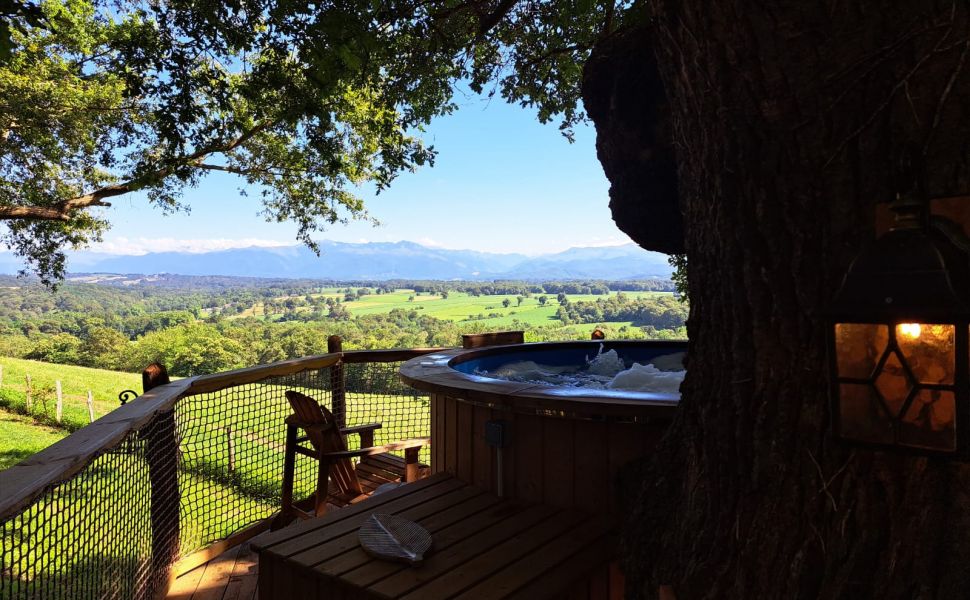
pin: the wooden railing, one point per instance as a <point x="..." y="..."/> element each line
<point x="153" y="483"/>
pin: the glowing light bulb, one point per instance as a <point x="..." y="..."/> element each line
<point x="910" y="330"/>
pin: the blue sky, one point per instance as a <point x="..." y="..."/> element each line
<point x="502" y="182"/>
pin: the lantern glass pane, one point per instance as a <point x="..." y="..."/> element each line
<point x="930" y="421"/>
<point x="893" y="384"/>
<point x="858" y="348"/>
<point x="930" y="351"/>
<point x="862" y="416"/>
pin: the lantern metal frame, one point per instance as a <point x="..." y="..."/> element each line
<point x="918" y="272"/>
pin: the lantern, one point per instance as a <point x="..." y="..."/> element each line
<point x="900" y="337"/>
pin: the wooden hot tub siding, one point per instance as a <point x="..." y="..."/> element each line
<point x="559" y="461"/>
<point x="565" y="446"/>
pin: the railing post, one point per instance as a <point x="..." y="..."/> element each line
<point x="161" y="453"/>
<point x="338" y="382"/>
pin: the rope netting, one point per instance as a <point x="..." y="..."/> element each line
<point x="375" y="394"/>
<point x="231" y="446"/>
<point x="90" y="536"/>
<point x="207" y="469"/>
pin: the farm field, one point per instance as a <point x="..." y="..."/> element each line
<point x="484" y="311"/>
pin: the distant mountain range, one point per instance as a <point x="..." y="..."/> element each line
<point x="378" y="261"/>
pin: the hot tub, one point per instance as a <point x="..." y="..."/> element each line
<point x="557" y="445"/>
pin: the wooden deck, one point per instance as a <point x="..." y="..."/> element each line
<point x="229" y="576"/>
<point x="485" y="547"/>
<point x="233" y="574"/>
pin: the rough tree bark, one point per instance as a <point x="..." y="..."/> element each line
<point x="785" y="118"/>
<point x="625" y="97"/>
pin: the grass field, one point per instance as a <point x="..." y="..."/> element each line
<point x="463" y="307"/>
<point x="487" y="311"/>
<point x="75" y="384"/>
<point x="21" y="436"/>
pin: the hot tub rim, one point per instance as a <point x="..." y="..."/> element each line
<point x="434" y="373"/>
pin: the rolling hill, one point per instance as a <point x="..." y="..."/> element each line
<point x="379" y="261"/>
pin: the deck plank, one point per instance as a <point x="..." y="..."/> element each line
<point x="336" y="524"/>
<point x="348" y="540"/>
<point x="484" y="565"/>
<point x="302" y="528"/>
<point x="242" y="580"/>
<point x="541" y="560"/>
<point x="441" y="562"/>
<point x="216" y="577"/>
<point x="567" y="572"/>
<point x="183" y="587"/>
<point x="485" y="548"/>
<point x="374" y="571"/>
<point x="233" y="575"/>
<point x="437" y="524"/>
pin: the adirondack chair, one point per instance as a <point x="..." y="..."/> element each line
<point x="339" y="482"/>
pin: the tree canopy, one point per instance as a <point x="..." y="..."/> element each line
<point x="306" y="103"/>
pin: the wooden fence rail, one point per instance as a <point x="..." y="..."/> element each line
<point x="150" y="421"/>
<point x="24" y="482"/>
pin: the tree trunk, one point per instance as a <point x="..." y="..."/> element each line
<point x="786" y="120"/>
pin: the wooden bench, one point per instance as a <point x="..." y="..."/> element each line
<point x="484" y="547"/>
<point x="497" y="338"/>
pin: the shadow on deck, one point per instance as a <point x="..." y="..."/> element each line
<point x="230" y="576"/>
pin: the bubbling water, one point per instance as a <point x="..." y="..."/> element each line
<point x="663" y="374"/>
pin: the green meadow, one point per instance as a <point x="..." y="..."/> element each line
<point x="459" y="306"/>
<point x="21" y="436"/>
<point x="75" y="381"/>
<point x="484" y="311"/>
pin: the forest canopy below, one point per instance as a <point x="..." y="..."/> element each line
<point x="205" y="325"/>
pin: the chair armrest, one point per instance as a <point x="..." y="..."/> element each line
<point x="360" y="428"/>
<point x="403" y="445"/>
<point x="366" y="431"/>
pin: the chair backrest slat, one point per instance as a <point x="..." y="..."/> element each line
<point x="306" y="408"/>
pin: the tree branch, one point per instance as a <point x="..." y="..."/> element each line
<point x="278" y="172"/>
<point x="493" y="18"/>
<point x="486" y="21"/>
<point x="554" y="52"/>
<point x="64" y="211"/>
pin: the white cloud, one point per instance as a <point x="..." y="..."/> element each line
<point x="602" y="242"/>
<point x="141" y="245"/>
<point x="429" y="242"/>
